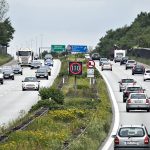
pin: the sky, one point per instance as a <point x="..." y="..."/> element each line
<point x="41" y="23"/>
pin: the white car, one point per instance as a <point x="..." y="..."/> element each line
<point x="30" y="83"/>
<point x="87" y="56"/>
<point x="106" y="66"/>
<point x="1" y="76"/>
<point x="146" y="75"/>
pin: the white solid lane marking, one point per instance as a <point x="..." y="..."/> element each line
<point x="116" y="114"/>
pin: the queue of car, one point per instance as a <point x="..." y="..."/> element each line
<point x="133" y="136"/>
<point x="31" y="82"/>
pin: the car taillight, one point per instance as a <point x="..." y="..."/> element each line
<point x="147" y="100"/>
<point x="129" y="101"/>
<point x="116" y="140"/>
<point x="146" y="140"/>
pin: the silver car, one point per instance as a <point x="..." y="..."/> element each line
<point x="132" y="137"/>
<point x="106" y="66"/>
<point x="130" y="64"/>
<point x="138" y="101"/>
<point x="124" y="83"/>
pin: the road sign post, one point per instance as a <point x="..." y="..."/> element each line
<point x="75" y="68"/>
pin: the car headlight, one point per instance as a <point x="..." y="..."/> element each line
<point x="11" y="74"/>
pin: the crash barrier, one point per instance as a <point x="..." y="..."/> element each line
<point x="140" y="52"/>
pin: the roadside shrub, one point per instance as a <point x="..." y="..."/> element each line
<point x="52" y="93"/>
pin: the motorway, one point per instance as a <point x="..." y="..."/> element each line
<point x="14" y="102"/>
<point x="133" y="117"/>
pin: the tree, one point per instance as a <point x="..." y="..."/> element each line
<point x="3" y="9"/>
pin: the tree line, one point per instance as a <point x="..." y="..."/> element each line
<point x="137" y="35"/>
<point x="6" y="29"/>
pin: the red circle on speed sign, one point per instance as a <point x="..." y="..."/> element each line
<point x="75" y="68"/>
<point x="91" y="64"/>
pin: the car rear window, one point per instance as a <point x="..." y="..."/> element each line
<point x="138" y="96"/>
<point x="30" y="79"/>
<point x="148" y="71"/>
<point x="127" y="80"/>
<point x="131" y="61"/>
<point x="134" y="88"/>
<point x="131" y="132"/>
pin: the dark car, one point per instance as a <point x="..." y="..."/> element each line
<point x="132" y="89"/>
<point x="48" y="69"/>
<point x="95" y="56"/>
<point x="42" y="73"/>
<point x="35" y="64"/>
<point x="8" y="73"/>
<point x="123" y="60"/>
<point x="17" y="69"/>
<point x="138" y="69"/>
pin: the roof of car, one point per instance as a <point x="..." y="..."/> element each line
<point x="134" y="85"/>
<point x="123" y="126"/>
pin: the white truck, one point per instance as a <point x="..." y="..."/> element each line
<point x="118" y="54"/>
<point x="24" y="56"/>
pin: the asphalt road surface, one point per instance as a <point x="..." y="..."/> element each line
<point x="14" y="102"/>
<point x="133" y="117"/>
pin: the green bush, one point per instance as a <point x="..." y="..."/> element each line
<point x="52" y="93"/>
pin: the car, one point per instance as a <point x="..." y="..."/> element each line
<point x="138" y="69"/>
<point x="8" y="73"/>
<point x="30" y="83"/>
<point x="49" y="62"/>
<point x="102" y="60"/>
<point x="17" y="69"/>
<point x="130" y="64"/>
<point x="87" y="56"/>
<point x="95" y="56"/>
<point x="132" y="137"/>
<point x="48" y="69"/>
<point x="48" y="56"/>
<point x="106" y="66"/>
<point x="138" y="101"/>
<point x="146" y="75"/>
<point x="36" y="57"/>
<point x="118" y="58"/>
<point x="1" y="76"/>
<point x="42" y="73"/>
<point x="123" y="60"/>
<point x="35" y="64"/>
<point x="132" y="89"/>
<point x="125" y="82"/>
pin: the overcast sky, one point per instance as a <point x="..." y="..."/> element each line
<point x="69" y="21"/>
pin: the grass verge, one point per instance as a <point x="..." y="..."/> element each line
<point x="4" y="59"/>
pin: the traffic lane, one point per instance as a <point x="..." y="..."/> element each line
<point x="14" y="100"/>
<point x="135" y="117"/>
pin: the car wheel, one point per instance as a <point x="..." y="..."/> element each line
<point x="111" y="69"/>
<point x="2" y="82"/>
<point x="144" y="79"/>
<point x="12" y="78"/>
<point x="37" y="89"/>
<point x="49" y="74"/>
<point x="102" y="69"/>
<point x="148" y="110"/>
<point x="23" y="89"/>
<point x="124" y="100"/>
<point x="21" y="73"/>
<point x="126" y="68"/>
<point x="47" y="77"/>
<point x="127" y="110"/>
<point x="120" y="64"/>
<point x="132" y="73"/>
<point x="120" y="90"/>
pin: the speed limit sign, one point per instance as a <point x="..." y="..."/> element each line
<point x="75" y="68"/>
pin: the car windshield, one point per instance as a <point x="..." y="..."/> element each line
<point x="106" y="63"/>
<point x="36" y="62"/>
<point x="42" y="70"/>
<point x="131" y="132"/>
<point x="138" y="67"/>
<point x="138" y="96"/>
<point x="131" y="61"/>
<point x="127" y="80"/>
<point x="7" y="70"/>
<point x="30" y="79"/>
<point x="134" y="88"/>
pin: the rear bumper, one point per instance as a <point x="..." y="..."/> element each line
<point x="138" y="106"/>
<point x="132" y="148"/>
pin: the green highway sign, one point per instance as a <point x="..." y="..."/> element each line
<point x="58" y="48"/>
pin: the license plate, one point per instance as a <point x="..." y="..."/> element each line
<point x="6" y="76"/>
<point x="138" y="101"/>
<point x="41" y="76"/>
<point x="131" y="143"/>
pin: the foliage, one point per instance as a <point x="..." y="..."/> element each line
<point x="52" y="93"/>
<point x="127" y="37"/>
<point x="3" y="9"/>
